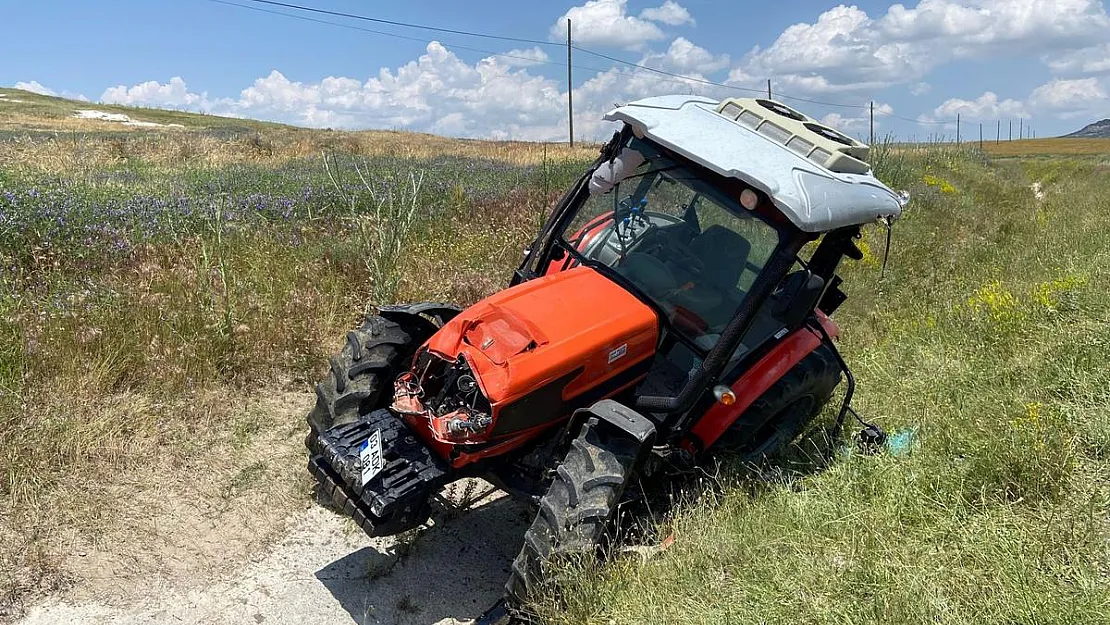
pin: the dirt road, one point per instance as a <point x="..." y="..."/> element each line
<point x="325" y="571"/>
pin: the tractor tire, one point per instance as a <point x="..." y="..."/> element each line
<point x="575" y="512"/>
<point x="785" y="410"/>
<point x="361" y="376"/>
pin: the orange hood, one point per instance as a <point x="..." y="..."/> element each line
<point x="539" y="331"/>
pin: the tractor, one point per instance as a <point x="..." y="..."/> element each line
<point x="666" y="312"/>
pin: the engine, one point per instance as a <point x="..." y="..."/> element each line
<point x="525" y="358"/>
<point x="446" y="395"/>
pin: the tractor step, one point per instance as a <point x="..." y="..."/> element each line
<point x="396" y="497"/>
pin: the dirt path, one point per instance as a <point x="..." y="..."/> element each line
<point x="237" y="540"/>
<point x="326" y="571"/>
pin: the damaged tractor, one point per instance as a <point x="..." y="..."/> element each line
<point x="665" y="312"/>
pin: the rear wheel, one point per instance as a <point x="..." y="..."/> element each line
<point x="784" y="410"/>
<point x="361" y="376"/>
<point x="576" y="511"/>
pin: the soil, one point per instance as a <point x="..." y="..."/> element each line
<point x="197" y="553"/>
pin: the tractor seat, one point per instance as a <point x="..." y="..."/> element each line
<point x="712" y="293"/>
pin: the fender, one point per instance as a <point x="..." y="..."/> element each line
<point x="425" y="317"/>
<point x="617" y="419"/>
<point x="750" y="386"/>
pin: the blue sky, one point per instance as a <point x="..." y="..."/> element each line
<point x="1047" y="61"/>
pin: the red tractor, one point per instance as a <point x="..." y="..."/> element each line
<point x="663" y="314"/>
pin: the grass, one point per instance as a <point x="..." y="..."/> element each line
<point x="146" y="301"/>
<point x="153" y="284"/>
<point x="988" y="340"/>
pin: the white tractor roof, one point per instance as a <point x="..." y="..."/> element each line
<point x="813" y="197"/>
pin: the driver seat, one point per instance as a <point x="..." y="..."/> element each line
<point x="723" y="254"/>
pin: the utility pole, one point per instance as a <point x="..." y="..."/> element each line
<point x="1021" y="132"/>
<point x="1010" y="137"/>
<point x="998" y="132"/>
<point x="980" y="136"/>
<point x="872" y="122"/>
<point x="570" y="90"/>
<point x="769" y="89"/>
<point x="957" y="129"/>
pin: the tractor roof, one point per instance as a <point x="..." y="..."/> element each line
<point x="804" y="167"/>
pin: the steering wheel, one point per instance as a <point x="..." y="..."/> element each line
<point x="648" y="272"/>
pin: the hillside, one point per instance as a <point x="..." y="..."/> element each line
<point x="23" y="110"/>
<point x="1097" y="130"/>
<point x="164" y="137"/>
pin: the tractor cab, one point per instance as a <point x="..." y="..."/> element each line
<point x="700" y="210"/>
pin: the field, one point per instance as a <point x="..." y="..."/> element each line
<point x="1048" y="147"/>
<point x="167" y="296"/>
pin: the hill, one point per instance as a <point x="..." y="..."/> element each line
<point x="24" y="110"/>
<point x="109" y="132"/>
<point x="1097" y="130"/>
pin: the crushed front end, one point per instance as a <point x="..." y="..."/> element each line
<point x="378" y="472"/>
<point x="445" y="398"/>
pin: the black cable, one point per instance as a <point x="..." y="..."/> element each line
<point x="395" y="35"/>
<point x="708" y="82"/>
<point x="298" y="7"/>
<point x="674" y="75"/>
<point x="886" y="252"/>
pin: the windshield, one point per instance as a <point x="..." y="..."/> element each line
<point x="687" y="246"/>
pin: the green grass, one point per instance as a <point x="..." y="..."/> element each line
<point x="147" y="285"/>
<point x="989" y="340"/>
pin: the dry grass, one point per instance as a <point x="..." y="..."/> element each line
<point x="1049" y="147"/>
<point x="129" y="366"/>
<point x="80" y="149"/>
<point x="210" y="141"/>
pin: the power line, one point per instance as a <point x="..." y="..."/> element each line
<point x="395" y="35"/>
<point x="377" y="20"/>
<point x="710" y="82"/>
<point x="680" y="77"/>
<point x="665" y="72"/>
<point x="672" y="76"/>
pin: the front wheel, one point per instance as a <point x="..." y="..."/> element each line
<point x="577" y="510"/>
<point x="361" y="376"/>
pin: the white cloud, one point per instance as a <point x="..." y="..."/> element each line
<point x="846" y="49"/>
<point x="1092" y="60"/>
<point x="1070" y="98"/>
<point x="985" y="107"/>
<point x="175" y="93"/>
<point x="35" y="86"/>
<point x="684" y="57"/>
<point x="921" y="88"/>
<point x="670" y="13"/>
<point x="607" y="23"/>
<point x="437" y="92"/>
<point x="859" y="124"/>
<point x="524" y="58"/>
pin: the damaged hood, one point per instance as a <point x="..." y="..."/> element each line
<point x="544" y="329"/>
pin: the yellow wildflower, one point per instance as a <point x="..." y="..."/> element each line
<point x="942" y="184"/>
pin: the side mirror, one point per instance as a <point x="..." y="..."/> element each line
<point x="796" y="297"/>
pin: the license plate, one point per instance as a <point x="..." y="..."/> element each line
<point x="370" y="453"/>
